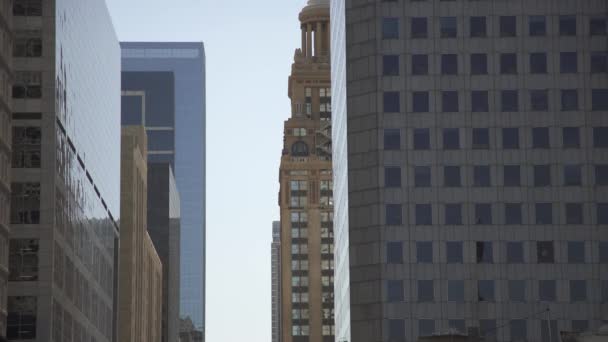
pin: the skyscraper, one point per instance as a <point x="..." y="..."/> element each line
<point x="6" y="57"/>
<point x="470" y="165"/>
<point x="182" y="143"/>
<point x="141" y="270"/>
<point x="275" y="252"/>
<point x="305" y="197"/>
<point x="63" y="253"/>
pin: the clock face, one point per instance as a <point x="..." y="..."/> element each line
<point x="299" y="149"/>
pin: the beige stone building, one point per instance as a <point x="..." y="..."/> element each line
<point x="140" y="289"/>
<point x="306" y="198"/>
<point x="5" y="151"/>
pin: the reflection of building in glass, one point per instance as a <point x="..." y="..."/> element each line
<point x="188" y="333"/>
<point x="6" y="57"/>
<point x="176" y="135"/>
<point x="470" y="168"/>
<point x="66" y="173"/>
<point x="141" y="278"/>
<point x="306" y="197"/>
<point x="275" y="250"/>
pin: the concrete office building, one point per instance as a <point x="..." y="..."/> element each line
<point x="186" y="153"/>
<point x="305" y="198"/>
<point x="6" y="56"/>
<point x="275" y="255"/>
<point x="471" y="165"/>
<point x="164" y="229"/>
<point x="141" y="278"/>
<point x="65" y="202"/>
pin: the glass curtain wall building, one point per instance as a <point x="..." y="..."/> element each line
<point x="65" y="202"/>
<point x="187" y="63"/>
<point x="470" y="163"/>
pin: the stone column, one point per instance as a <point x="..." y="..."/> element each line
<point x="304" y="51"/>
<point x="319" y="39"/>
<point x="309" y="40"/>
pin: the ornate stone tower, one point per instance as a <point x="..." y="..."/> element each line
<point x="306" y="196"/>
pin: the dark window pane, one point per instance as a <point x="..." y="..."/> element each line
<point x="599" y="62"/>
<point x="392" y="139"/>
<point x="539" y="100"/>
<point x="454" y="252"/>
<point x="131" y="110"/>
<point x="578" y="290"/>
<point x="484" y="252"/>
<point x="574" y="213"/>
<point x="422" y="176"/>
<point x="567" y="25"/>
<point x="568" y="62"/>
<point x="481" y="176"/>
<point x="510" y="138"/>
<point x="544" y="252"/>
<point x="508" y="63"/>
<point x="580" y="326"/>
<point x="396" y="329"/>
<point x="602" y="213"/>
<point x="573" y="175"/>
<point x="420" y="65"/>
<point x="549" y="331"/>
<point x="542" y="175"/>
<point x="25" y="203"/>
<point x="448" y="27"/>
<point x="426" y="327"/>
<point x="508" y="26"/>
<point x="390" y="65"/>
<point x="424" y="214"/>
<point x="537" y="25"/>
<point x="485" y="290"/>
<point x="571" y="137"/>
<point x="393" y="214"/>
<point x="483" y="213"/>
<point x="391" y="102"/>
<point x="479" y="101"/>
<point x="451" y="138"/>
<point x="449" y="101"/>
<point x="513" y="213"/>
<point x="517" y="290"/>
<point x="23" y="259"/>
<point x="601" y="175"/>
<point x="515" y="252"/>
<point x="458" y="325"/>
<point x="544" y="213"/>
<point x="394" y="253"/>
<point x="547" y="290"/>
<point x="569" y="99"/>
<point x="479" y="64"/>
<point x="161" y="140"/>
<point x="449" y="64"/>
<point x="478" y="26"/>
<point x="394" y="289"/>
<point x="538" y="63"/>
<point x="424" y="252"/>
<point x="453" y="214"/>
<point x="604" y="294"/>
<point x="392" y="176"/>
<point x="519" y="330"/>
<point x="390" y="28"/>
<point x="598" y="26"/>
<point x="27" y="147"/>
<point x="419" y="28"/>
<point x="512" y="175"/>
<point x="509" y="101"/>
<point x="576" y="252"/>
<point x="604" y="252"/>
<point x="425" y="291"/>
<point x="451" y="176"/>
<point x="487" y="327"/>
<point x="600" y="137"/>
<point x="422" y="139"/>
<point x="456" y="290"/>
<point x="540" y="137"/>
<point x="420" y="101"/>
<point x="481" y="138"/>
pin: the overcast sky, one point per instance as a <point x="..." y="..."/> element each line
<point x="249" y="46"/>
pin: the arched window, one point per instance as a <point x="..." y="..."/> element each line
<point x="299" y="149"/>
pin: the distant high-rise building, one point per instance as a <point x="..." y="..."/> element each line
<point x="471" y="164"/>
<point x="305" y="197"/>
<point x="177" y="135"/>
<point x="164" y="229"/>
<point x="6" y="57"/>
<point x="63" y="254"/>
<point x="275" y="251"/>
<point x="141" y="270"/>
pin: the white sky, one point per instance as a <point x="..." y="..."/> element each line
<point x="249" y="47"/>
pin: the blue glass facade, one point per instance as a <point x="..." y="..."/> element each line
<point x="187" y="63"/>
